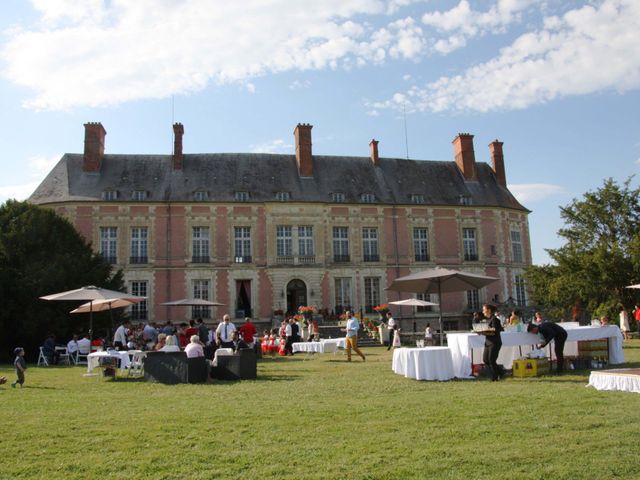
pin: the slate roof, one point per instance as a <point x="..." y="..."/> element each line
<point x="263" y="175"/>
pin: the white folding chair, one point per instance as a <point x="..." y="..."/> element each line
<point x="42" y="359"/>
<point x="80" y="358"/>
<point x="63" y="355"/>
<point x="136" y="367"/>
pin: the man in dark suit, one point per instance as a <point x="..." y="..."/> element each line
<point x="237" y="343"/>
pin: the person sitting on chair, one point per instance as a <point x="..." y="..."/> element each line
<point x="237" y="343"/>
<point x="194" y="348"/>
<point x="49" y="349"/>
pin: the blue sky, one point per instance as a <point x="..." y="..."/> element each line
<point x="556" y="81"/>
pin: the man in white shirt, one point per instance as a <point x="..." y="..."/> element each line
<point x="351" y="340"/>
<point x="391" y="325"/>
<point x="72" y="346"/>
<point x="224" y="332"/>
<point x="84" y="345"/>
<point x="120" y="337"/>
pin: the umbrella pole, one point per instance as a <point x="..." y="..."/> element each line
<point x="440" y="309"/>
<point x="91" y="320"/>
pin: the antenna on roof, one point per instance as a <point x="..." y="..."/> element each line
<point x="406" y="136"/>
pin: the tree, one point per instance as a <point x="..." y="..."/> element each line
<point x="41" y="253"/>
<point x="600" y="257"/>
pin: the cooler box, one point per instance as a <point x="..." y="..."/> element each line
<point x="530" y="367"/>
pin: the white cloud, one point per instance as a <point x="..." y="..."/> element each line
<point x="297" y="84"/>
<point x="533" y="192"/>
<point x="38" y="167"/>
<point x="587" y="50"/>
<point x="273" y="146"/>
<point x="97" y="53"/>
<point x="463" y="23"/>
<point x="251" y="88"/>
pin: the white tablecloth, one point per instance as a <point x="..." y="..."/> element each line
<point x="339" y="342"/>
<point x="429" y="363"/>
<point x="515" y="344"/>
<point x="93" y="359"/>
<point x="315" y="347"/>
<point x="621" y="380"/>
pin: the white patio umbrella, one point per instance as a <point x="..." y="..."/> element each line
<point x="106" y="304"/>
<point x="193" y="302"/>
<point x="413" y="302"/>
<point x="90" y="293"/>
<point x="637" y="285"/>
<point x="440" y="280"/>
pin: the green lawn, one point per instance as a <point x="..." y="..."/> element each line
<point x="320" y="418"/>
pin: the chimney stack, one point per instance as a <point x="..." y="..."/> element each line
<point x="94" y="134"/>
<point x="178" y="131"/>
<point x="497" y="162"/>
<point x="465" y="157"/>
<point x="374" y="152"/>
<point x="304" y="157"/>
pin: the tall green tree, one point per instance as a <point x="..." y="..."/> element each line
<point x="600" y="257"/>
<point x="42" y="253"/>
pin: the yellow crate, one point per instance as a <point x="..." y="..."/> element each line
<point x="530" y="367"/>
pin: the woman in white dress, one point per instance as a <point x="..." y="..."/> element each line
<point x="624" y="323"/>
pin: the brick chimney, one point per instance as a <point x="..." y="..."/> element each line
<point x="178" y="131"/>
<point x="465" y="157"/>
<point x="304" y="157"/>
<point x="497" y="162"/>
<point x="94" y="134"/>
<point x="374" y="152"/>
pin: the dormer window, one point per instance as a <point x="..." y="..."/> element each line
<point x="283" y="196"/>
<point x="465" y="200"/>
<point x="368" y="198"/>
<point x="110" y="195"/>
<point x="200" y="195"/>
<point x="337" y="197"/>
<point x="139" y="195"/>
<point x="242" y="196"/>
<point x="417" y="198"/>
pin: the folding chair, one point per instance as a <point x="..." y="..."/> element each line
<point x="80" y="358"/>
<point x="136" y="368"/>
<point x="63" y="355"/>
<point x="42" y="359"/>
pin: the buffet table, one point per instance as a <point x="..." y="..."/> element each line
<point x="625" y="380"/>
<point x="326" y="345"/>
<point x="467" y="347"/>
<point x="429" y="363"/>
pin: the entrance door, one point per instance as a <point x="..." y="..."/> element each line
<point x="296" y="295"/>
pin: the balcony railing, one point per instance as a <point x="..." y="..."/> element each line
<point x="200" y="259"/>
<point x="306" y="259"/>
<point x="471" y="257"/>
<point x="371" y="257"/>
<point x="341" y="258"/>
<point x="138" y="260"/>
<point x="284" y="260"/>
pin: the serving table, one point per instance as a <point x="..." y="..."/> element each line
<point x="465" y="347"/>
<point x="428" y="363"/>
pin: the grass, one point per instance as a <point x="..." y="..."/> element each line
<point x="322" y="418"/>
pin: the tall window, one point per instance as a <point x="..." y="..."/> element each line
<point x="201" y="291"/>
<point x="242" y="237"/>
<point x="139" y="245"/>
<point x="427" y="298"/>
<point x="516" y="246"/>
<point x="469" y="244"/>
<point x="340" y="244"/>
<point x="200" y="244"/>
<point x="284" y="241"/>
<point x="305" y="241"/>
<point x="343" y="294"/>
<point x="371" y="293"/>
<point x="473" y="300"/>
<point x="520" y="291"/>
<point x="109" y="244"/>
<point x="370" y="245"/>
<point x="421" y="244"/>
<point x="139" y="310"/>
